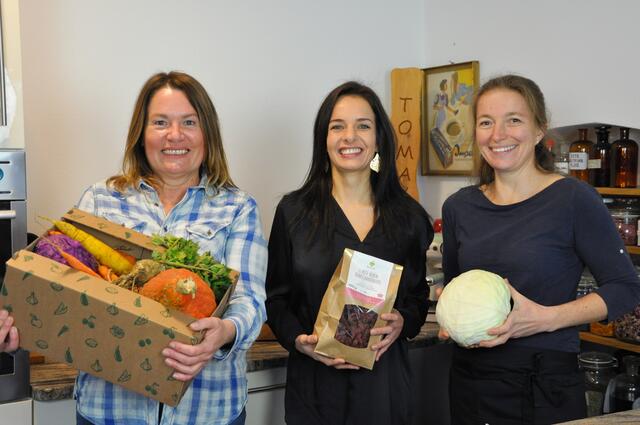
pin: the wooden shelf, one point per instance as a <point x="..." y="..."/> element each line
<point x="609" y="342"/>
<point x="618" y="191"/>
<point x="633" y="249"/>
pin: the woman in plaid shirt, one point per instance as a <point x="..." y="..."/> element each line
<point x="175" y="180"/>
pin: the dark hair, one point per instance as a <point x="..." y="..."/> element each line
<point x="135" y="164"/>
<point x="391" y="202"/>
<point x="534" y="99"/>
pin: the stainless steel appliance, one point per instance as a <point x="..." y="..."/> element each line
<point x="14" y="368"/>
<point x="13" y="205"/>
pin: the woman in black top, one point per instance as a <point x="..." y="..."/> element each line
<point x="538" y="229"/>
<point x="344" y="204"/>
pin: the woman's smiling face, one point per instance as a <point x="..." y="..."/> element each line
<point x="506" y="131"/>
<point x="173" y="138"/>
<point x="351" y="137"/>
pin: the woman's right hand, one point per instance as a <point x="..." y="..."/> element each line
<point x="306" y="344"/>
<point x="9" y="340"/>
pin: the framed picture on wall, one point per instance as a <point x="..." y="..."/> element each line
<point x="447" y="142"/>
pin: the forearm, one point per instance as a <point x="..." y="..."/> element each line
<point x="587" y="309"/>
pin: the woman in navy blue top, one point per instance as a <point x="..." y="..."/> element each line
<point x="538" y="230"/>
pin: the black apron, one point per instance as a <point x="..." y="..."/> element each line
<point x="510" y="385"/>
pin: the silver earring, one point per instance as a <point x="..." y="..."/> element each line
<point x="375" y="163"/>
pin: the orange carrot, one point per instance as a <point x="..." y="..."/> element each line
<point x="77" y="264"/>
<point x="106" y="273"/>
<point x="73" y="261"/>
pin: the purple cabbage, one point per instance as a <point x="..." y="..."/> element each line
<point x="46" y="247"/>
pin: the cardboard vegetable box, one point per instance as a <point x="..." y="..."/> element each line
<point x="93" y="325"/>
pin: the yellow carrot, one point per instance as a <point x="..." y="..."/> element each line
<point x="103" y="252"/>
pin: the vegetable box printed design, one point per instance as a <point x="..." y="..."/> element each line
<point x="93" y="325"/>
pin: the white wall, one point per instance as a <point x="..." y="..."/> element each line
<point x="12" y="135"/>
<point x="266" y="64"/>
<point x="582" y="53"/>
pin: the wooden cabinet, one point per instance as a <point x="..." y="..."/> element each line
<point x="633" y="250"/>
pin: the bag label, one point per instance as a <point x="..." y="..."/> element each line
<point x="369" y="276"/>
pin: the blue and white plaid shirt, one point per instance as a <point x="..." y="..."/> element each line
<point x="225" y="222"/>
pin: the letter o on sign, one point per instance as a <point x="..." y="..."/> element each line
<point x="404" y="127"/>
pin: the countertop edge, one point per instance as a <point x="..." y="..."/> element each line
<point x="55" y="381"/>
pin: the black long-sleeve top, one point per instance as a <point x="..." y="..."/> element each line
<point x="297" y="277"/>
<point x="541" y="245"/>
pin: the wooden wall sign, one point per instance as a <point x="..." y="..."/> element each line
<point x="406" y="100"/>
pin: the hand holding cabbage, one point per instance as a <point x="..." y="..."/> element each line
<point x="474" y="310"/>
<point x="471" y="304"/>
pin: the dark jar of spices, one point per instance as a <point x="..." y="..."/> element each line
<point x="602" y="157"/>
<point x="624" y="160"/>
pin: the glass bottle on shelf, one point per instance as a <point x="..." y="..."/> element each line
<point x="624" y="160"/>
<point x="626" y="386"/>
<point x="561" y="163"/>
<point x="580" y="152"/>
<point x="602" y="157"/>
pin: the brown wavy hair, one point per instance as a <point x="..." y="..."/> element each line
<point x="135" y="165"/>
<point x="534" y="99"/>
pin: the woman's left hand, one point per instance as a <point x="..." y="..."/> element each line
<point x="390" y="332"/>
<point x="189" y="360"/>
<point x="526" y="318"/>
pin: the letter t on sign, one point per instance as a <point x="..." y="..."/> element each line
<point x="406" y="95"/>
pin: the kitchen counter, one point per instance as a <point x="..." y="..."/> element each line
<point x="628" y="417"/>
<point x="54" y="381"/>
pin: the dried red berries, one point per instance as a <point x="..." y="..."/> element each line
<point x="354" y="327"/>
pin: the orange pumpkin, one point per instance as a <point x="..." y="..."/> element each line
<point x="182" y="290"/>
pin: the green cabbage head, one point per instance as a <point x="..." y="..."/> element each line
<point x="472" y="303"/>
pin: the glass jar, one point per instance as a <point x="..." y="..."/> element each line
<point x="586" y="285"/>
<point x="627" y="225"/>
<point x="602" y="157"/>
<point x="624" y="161"/>
<point x="626" y="386"/>
<point x="599" y="369"/>
<point x="602" y="328"/>
<point x="580" y="152"/>
<point x="561" y="161"/>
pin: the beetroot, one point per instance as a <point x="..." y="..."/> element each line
<point x="46" y="247"/>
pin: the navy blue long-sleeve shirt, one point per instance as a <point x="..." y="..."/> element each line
<point x="541" y="245"/>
